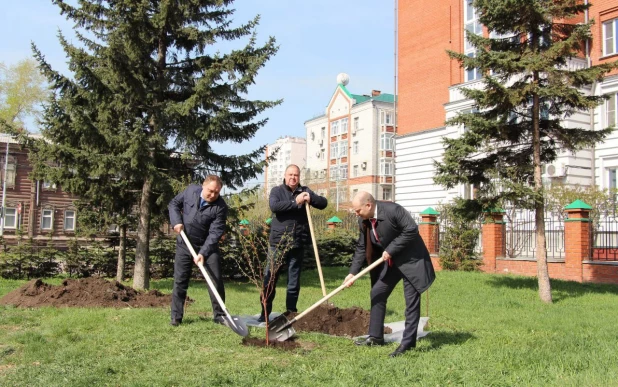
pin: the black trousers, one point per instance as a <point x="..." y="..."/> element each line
<point x="294" y="260"/>
<point x="183" y="265"/>
<point x="384" y="278"/>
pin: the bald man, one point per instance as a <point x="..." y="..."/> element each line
<point x="387" y="230"/>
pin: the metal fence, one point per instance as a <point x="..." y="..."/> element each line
<point x="520" y="235"/>
<point x="604" y="236"/>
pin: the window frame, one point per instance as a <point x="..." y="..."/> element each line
<point x="15" y="216"/>
<point x="73" y="219"/>
<point x="387" y="139"/>
<point x="334" y="128"/>
<point x="613" y="26"/>
<point x="51" y="219"/>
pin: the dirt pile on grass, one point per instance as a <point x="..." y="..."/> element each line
<point x="350" y="322"/>
<point x="84" y="292"/>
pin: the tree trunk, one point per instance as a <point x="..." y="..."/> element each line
<point x="141" y="275"/>
<point x="122" y="253"/>
<point x="539" y="204"/>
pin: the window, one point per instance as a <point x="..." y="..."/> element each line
<point x="472" y="26"/>
<point x="609" y="37"/>
<point x="343" y="171"/>
<point x="333" y="173"/>
<point x="69" y="220"/>
<point x="47" y="219"/>
<point x="356" y="123"/>
<point x="386" y="167"/>
<point x="10" y="218"/>
<point x="611" y="110"/>
<point x="323" y="132"/>
<point x="343" y="148"/>
<point x="48" y="185"/>
<point x="334" y="128"/>
<point x="387" y="141"/>
<point x="355" y="171"/>
<point x="387" y="193"/>
<point x="344" y="125"/>
<point x="612" y="178"/>
<point x="10" y="171"/>
<point x="334" y="150"/>
<point x="355" y="147"/>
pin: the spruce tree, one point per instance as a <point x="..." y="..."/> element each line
<point x="149" y="99"/>
<point x="518" y="121"/>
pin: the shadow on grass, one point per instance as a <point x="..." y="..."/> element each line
<point x="560" y="290"/>
<point x="437" y="339"/>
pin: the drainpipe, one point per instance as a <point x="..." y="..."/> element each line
<point x="593" y="92"/>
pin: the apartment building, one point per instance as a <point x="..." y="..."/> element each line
<point x="429" y="88"/>
<point x="350" y="147"/>
<point x="286" y="150"/>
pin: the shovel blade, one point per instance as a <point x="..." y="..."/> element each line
<point x="280" y="329"/>
<point x="236" y="324"/>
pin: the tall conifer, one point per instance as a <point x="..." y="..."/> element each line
<point x="149" y="99"/>
<point x="529" y="90"/>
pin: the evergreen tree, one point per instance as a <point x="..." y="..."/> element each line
<point x="148" y="101"/>
<point x="529" y="90"/>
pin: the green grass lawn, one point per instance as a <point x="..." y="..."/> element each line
<point x="486" y="330"/>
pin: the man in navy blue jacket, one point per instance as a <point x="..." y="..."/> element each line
<point x="201" y="212"/>
<point x="289" y="231"/>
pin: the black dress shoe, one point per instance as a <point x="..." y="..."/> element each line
<point x="369" y="341"/>
<point x="218" y="320"/>
<point x="400" y="351"/>
<point x="175" y="322"/>
<point x="261" y="319"/>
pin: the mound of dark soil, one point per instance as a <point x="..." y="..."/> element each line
<point x="350" y="322"/>
<point x="84" y="292"/>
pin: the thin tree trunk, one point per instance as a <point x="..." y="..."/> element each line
<point x="122" y="253"/>
<point x="141" y="275"/>
<point x="539" y="204"/>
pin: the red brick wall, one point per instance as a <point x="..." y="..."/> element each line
<point x="426" y="29"/>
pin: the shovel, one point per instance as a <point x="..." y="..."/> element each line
<point x="315" y="250"/>
<point x="281" y="328"/>
<point x="232" y="322"/>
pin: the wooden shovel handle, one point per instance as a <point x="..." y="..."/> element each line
<point x="315" y="250"/>
<point x="340" y="288"/>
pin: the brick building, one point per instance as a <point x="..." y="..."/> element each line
<point x="429" y="89"/>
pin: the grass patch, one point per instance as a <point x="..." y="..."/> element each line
<point x="485" y="330"/>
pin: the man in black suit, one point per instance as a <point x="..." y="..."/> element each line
<point x="201" y="212"/>
<point x="289" y="234"/>
<point x="387" y="230"/>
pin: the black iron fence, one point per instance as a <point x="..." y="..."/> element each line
<point x="520" y="235"/>
<point x="604" y="237"/>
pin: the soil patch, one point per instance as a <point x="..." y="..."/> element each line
<point x="84" y="292"/>
<point x="288" y="345"/>
<point x="350" y="322"/>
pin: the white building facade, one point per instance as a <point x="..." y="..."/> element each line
<point x="351" y="147"/>
<point x="287" y="150"/>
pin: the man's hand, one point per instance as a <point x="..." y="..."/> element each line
<point x="386" y="256"/>
<point x="302" y="198"/>
<point x="349" y="276"/>
<point x="199" y="259"/>
<point x="178" y="228"/>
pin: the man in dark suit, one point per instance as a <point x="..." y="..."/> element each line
<point x="387" y="230"/>
<point x="201" y="212"/>
<point x="289" y="234"/>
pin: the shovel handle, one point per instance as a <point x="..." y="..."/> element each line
<point x="340" y="288"/>
<point x="315" y="250"/>
<point x="211" y="285"/>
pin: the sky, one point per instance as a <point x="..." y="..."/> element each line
<point x="318" y="39"/>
